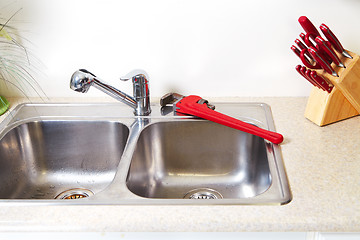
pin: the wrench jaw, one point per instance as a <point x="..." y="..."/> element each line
<point x="166" y="100"/>
<point x="170" y="98"/>
<point x="174" y="99"/>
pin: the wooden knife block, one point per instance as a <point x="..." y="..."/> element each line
<point x="344" y="100"/>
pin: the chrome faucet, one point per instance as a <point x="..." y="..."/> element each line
<point x="82" y="80"/>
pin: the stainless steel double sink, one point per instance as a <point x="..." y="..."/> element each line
<point x="102" y="154"/>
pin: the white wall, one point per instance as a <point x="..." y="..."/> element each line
<point x="206" y="47"/>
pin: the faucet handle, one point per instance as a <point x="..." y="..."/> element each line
<point x="140" y="90"/>
<point x="133" y="74"/>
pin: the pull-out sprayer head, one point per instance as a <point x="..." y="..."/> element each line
<point x="82" y="80"/>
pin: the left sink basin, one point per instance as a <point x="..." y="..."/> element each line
<point x="47" y="159"/>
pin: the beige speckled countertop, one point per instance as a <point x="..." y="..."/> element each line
<point x="323" y="167"/>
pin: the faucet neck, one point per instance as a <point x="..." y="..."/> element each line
<point x="82" y="79"/>
<point x="141" y="94"/>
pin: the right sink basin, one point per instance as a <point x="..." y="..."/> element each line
<point x="178" y="159"/>
<point x="198" y="160"/>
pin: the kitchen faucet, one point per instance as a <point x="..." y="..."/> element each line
<point x="82" y="80"/>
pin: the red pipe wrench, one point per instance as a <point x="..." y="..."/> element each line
<point x="196" y="106"/>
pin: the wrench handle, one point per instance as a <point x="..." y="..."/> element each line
<point x="189" y="105"/>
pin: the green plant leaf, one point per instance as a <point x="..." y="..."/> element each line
<point x="4" y="105"/>
<point x="4" y="34"/>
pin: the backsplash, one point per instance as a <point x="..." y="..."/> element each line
<point x="208" y="47"/>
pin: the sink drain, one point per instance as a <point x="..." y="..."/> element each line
<point x="203" y="193"/>
<point x="75" y="193"/>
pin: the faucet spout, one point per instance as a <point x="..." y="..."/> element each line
<point x="82" y="80"/>
<point x="115" y="93"/>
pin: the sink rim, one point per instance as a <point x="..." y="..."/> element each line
<point x="117" y="193"/>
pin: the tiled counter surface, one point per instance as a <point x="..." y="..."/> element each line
<point x="323" y="167"/>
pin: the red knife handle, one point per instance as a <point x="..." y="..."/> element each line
<point x="300" y="44"/>
<point x="295" y="50"/>
<point x="319" y="58"/>
<point x="306" y="38"/>
<point x="190" y="105"/>
<point x="303" y="72"/>
<point x="321" y="84"/>
<point x="307" y="73"/>
<point x="334" y="40"/>
<point x="308" y="26"/>
<point x="309" y="40"/>
<point x="298" y="69"/>
<point x="323" y="45"/>
<point x="330" y="36"/>
<point x="321" y="81"/>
